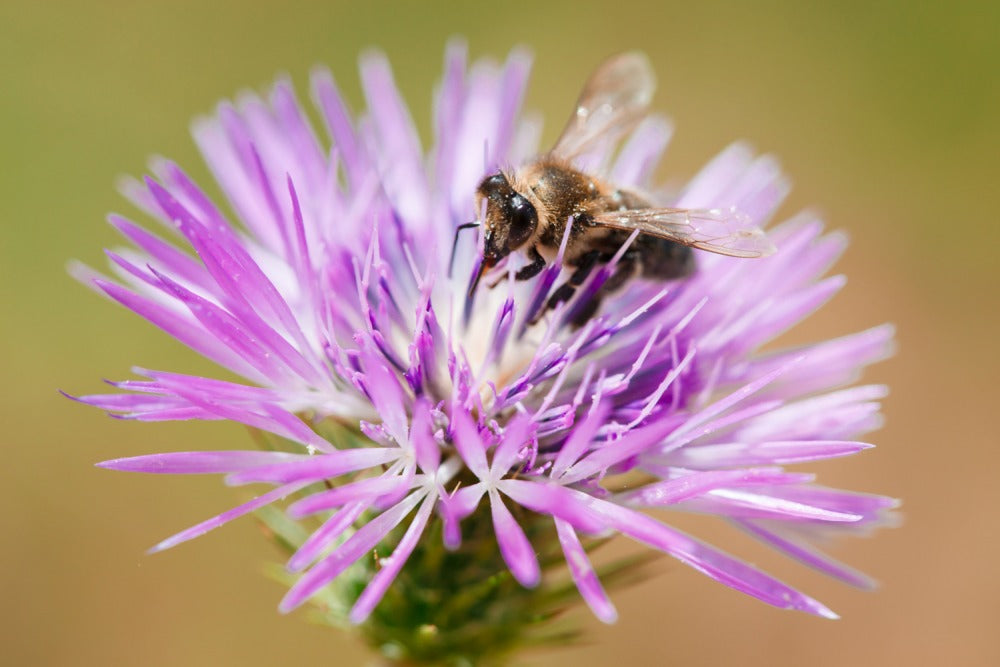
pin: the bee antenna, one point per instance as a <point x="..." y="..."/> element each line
<point x="454" y="242"/>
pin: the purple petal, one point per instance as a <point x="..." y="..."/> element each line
<point x="244" y="285"/>
<point x="325" y="535"/>
<point x="707" y="560"/>
<point x="761" y="189"/>
<point x="470" y="445"/>
<point x="274" y="420"/>
<point x="448" y="109"/>
<point x="179" y="413"/>
<point x="613" y="452"/>
<point x="512" y="89"/>
<point x="221" y="389"/>
<point x="403" y="177"/>
<point x="316" y="467"/>
<point x="841" y="414"/>
<point x="242" y="340"/>
<point x="295" y="129"/>
<point x="871" y="507"/>
<point x="515" y="438"/>
<point x="366" y="489"/>
<point x="580" y="440"/>
<point x="391" y="566"/>
<point x="696" y="484"/>
<point x="455" y="507"/>
<point x="144" y="407"/>
<point x="723" y="404"/>
<point x="175" y="261"/>
<point x="707" y="186"/>
<point x="427" y="451"/>
<point x="570" y="505"/>
<point x="386" y="395"/>
<point x="358" y="545"/>
<point x="583" y="574"/>
<point x="741" y="503"/>
<point x="807" y="555"/>
<point x="197" y="463"/>
<point x="225" y="145"/>
<point x="216" y="521"/>
<point x="514" y="546"/>
<point x="724" y="455"/>
<point x="640" y="155"/>
<point x="183" y="329"/>
<point x="829" y="364"/>
<point x="338" y="124"/>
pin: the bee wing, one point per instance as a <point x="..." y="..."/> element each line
<point x="722" y="231"/>
<point x="615" y="98"/>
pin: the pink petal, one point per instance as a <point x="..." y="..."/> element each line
<point x="515" y="438"/>
<point x="318" y="467"/>
<point x="358" y="545"/>
<point x="514" y="546"/>
<point x="216" y="521"/>
<point x="570" y="505"/>
<point x="183" y="328"/>
<point x="469" y="444"/>
<point x="689" y="486"/>
<point x="200" y="462"/>
<point x="366" y="489"/>
<point x="455" y="507"/>
<point x="380" y="583"/>
<point x="708" y="560"/>
<point x="807" y="555"/>
<point x="580" y="440"/>
<point x="724" y="455"/>
<point x="427" y="450"/>
<point x="583" y="574"/>
<point x="325" y="535"/>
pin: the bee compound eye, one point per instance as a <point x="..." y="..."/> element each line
<point x="523" y="221"/>
<point x="494" y="185"/>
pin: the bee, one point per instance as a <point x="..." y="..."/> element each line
<point x="527" y="210"/>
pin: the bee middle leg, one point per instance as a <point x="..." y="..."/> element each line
<point x="584" y="265"/>
<point x="626" y="268"/>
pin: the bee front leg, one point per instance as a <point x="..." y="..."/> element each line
<point x="531" y="270"/>
<point x="528" y="271"/>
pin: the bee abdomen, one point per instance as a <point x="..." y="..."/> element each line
<point x="663" y="259"/>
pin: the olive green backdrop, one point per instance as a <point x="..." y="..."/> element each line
<point x="884" y="114"/>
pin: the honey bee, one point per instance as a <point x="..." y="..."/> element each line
<point x="527" y="210"/>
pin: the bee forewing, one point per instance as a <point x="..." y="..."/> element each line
<point x="722" y="231"/>
<point x="614" y="99"/>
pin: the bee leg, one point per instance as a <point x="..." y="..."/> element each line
<point x="526" y="272"/>
<point x="627" y="268"/>
<point x="566" y="291"/>
<point x="531" y="270"/>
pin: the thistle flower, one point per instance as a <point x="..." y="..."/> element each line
<point x="410" y="415"/>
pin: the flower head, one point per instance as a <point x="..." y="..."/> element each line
<point x="408" y="406"/>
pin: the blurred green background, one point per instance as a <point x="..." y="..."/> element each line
<point x="884" y="114"/>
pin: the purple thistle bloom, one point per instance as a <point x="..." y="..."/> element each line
<point x="327" y="291"/>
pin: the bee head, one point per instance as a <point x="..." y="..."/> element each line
<point x="510" y="219"/>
